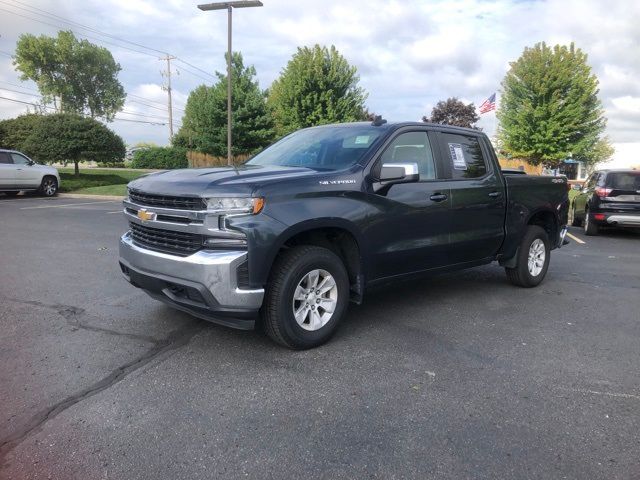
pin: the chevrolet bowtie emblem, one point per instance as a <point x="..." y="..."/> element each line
<point x="146" y="216"/>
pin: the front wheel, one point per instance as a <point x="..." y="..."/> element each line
<point x="49" y="186"/>
<point x="532" y="259"/>
<point x="306" y="297"/>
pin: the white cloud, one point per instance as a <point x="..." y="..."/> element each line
<point x="410" y="54"/>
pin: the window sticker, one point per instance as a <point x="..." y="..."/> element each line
<point x="457" y="155"/>
<point x="362" y="140"/>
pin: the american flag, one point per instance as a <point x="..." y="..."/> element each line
<point x="489" y="104"/>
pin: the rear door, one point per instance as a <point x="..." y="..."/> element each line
<point x="478" y="199"/>
<point x="7" y="171"/>
<point x="411" y="231"/>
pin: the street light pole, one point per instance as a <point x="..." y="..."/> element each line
<point x="229" y="80"/>
<point x="229" y="6"/>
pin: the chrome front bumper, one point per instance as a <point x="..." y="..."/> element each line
<point x="204" y="284"/>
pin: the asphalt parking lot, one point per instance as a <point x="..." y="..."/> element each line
<point x="458" y="376"/>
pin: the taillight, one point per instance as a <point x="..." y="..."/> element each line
<point x="603" y="192"/>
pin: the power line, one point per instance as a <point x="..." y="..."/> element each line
<point x="77" y="33"/>
<point x="34" y="10"/>
<point x="52" y="108"/>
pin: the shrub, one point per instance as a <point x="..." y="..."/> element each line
<point x="160" y="157"/>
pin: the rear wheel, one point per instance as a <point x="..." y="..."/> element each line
<point x="306" y="297"/>
<point x="532" y="259"/>
<point x="590" y="228"/>
<point x="49" y="186"/>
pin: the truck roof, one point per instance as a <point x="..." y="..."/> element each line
<point x="395" y="125"/>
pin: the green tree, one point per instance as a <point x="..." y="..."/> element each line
<point x="453" y="112"/>
<point x="63" y="137"/>
<point x="14" y="131"/>
<point x="75" y="75"/>
<point x="550" y="108"/>
<point x="318" y="86"/>
<point x="204" y="124"/>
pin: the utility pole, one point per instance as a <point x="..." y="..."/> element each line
<point x="167" y="73"/>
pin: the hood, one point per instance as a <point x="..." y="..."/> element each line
<point x="242" y="180"/>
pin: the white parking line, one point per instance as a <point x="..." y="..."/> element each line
<point x="117" y="211"/>
<point x="573" y="237"/>
<point x="67" y="205"/>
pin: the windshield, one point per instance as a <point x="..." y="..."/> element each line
<point x="323" y="148"/>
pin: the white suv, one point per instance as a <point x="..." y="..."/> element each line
<point x="19" y="173"/>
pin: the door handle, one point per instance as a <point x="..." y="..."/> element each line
<point x="438" y="197"/>
<point x="495" y="194"/>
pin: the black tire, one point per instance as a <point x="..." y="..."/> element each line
<point x="49" y="186"/>
<point x="575" y="222"/>
<point x="590" y="228"/>
<point x="289" y="269"/>
<point x="520" y="275"/>
<point x="12" y="193"/>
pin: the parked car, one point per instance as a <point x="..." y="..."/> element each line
<point x="311" y="222"/>
<point x="609" y="198"/>
<point x="19" y="173"/>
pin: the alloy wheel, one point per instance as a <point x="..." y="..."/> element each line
<point x="315" y="299"/>
<point x="537" y="256"/>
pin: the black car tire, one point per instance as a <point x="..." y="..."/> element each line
<point x="49" y="186"/>
<point x="520" y="275"/>
<point x="289" y="270"/>
<point x="575" y="222"/>
<point x="590" y="228"/>
<point x="12" y="193"/>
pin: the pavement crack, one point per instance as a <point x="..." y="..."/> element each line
<point x="175" y="340"/>
<point x="72" y="315"/>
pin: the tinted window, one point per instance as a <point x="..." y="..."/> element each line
<point x="19" y="159"/>
<point x="322" y="148"/>
<point x="411" y="147"/>
<point x="624" y="181"/>
<point x="464" y="154"/>
<point x="5" y="158"/>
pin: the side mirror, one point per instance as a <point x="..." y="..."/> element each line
<point x="399" y="173"/>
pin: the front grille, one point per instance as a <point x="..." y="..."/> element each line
<point x="166" y="201"/>
<point x="167" y="241"/>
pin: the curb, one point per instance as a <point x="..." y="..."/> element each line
<point x="96" y="197"/>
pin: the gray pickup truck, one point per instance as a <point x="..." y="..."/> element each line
<point x="306" y="226"/>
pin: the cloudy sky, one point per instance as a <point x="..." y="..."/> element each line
<point x="409" y="54"/>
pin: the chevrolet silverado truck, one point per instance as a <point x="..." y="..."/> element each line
<point x="288" y="239"/>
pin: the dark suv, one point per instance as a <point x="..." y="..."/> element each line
<point x="609" y="198"/>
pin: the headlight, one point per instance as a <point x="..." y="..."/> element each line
<point x="227" y="205"/>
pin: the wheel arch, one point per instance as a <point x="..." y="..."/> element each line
<point x="336" y="234"/>
<point x="548" y="220"/>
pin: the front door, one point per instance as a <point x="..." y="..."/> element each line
<point x="410" y="232"/>
<point x="26" y="174"/>
<point x="478" y="198"/>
